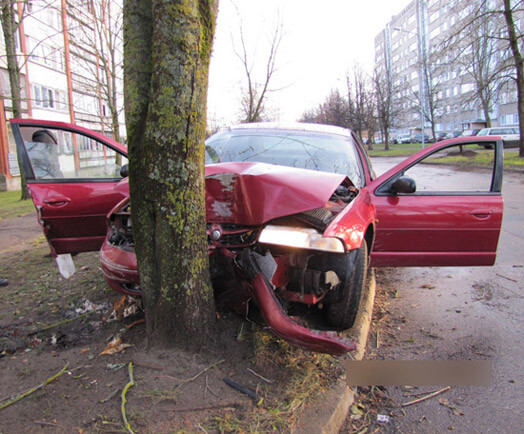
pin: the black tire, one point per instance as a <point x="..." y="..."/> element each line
<point x="342" y="314"/>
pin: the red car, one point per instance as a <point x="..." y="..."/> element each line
<point x="295" y="214"/>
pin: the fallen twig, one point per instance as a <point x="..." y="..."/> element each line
<point x="65" y="321"/>
<point x="504" y="277"/>
<point x="209" y="407"/>
<point x="110" y="396"/>
<point x="34" y="389"/>
<point x="260" y="376"/>
<point x="201" y="428"/>
<point x="43" y="422"/>
<point x="134" y="323"/>
<point x="15" y="324"/>
<point x="421" y="393"/>
<point x="79" y="367"/>
<point x="431" y="395"/>
<point x="194" y="377"/>
<point x="130" y="384"/>
<point x="211" y="390"/>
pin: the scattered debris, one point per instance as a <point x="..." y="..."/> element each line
<point x="382" y="418"/>
<point x="123" y="308"/>
<point x="240" y="388"/>
<point x="431" y="395"/>
<point x="17" y="398"/>
<point x="88" y="306"/>
<point x="115" y="346"/>
<point x="115" y="366"/>
<point x="356" y="412"/>
<point x="445" y="403"/>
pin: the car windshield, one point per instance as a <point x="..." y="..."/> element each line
<point x="304" y="149"/>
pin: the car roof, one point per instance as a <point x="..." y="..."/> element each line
<point x="291" y="126"/>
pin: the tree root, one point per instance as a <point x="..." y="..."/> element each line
<point x="17" y="398"/>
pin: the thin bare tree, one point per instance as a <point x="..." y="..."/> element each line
<point x="496" y="39"/>
<point x="388" y="106"/>
<point x="254" y="94"/>
<point x="11" y="18"/>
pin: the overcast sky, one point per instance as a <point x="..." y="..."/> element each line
<point x="322" y="41"/>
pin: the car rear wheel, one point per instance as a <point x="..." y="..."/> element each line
<point x="342" y="314"/>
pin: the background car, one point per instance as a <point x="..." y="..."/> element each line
<point x="469" y="133"/>
<point x="295" y="215"/>
<point x="403" y="138"/>
<point x="417" y="138"/>
<point x="510" y="135"/>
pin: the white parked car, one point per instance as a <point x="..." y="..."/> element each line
<point x="510" y="135"/>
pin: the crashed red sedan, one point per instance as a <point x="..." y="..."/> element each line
<point x="295" y="214"/>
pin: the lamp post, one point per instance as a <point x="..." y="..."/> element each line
<point x="422" y="70"/>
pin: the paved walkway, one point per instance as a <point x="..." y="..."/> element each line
<point x="16" y="233"/>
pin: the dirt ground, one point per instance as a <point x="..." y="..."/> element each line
<point x="49" y="326"/>
<point x="396" y="335"/>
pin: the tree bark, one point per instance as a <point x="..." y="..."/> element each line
<point x="9" y="27"/>
<point x="166" y="60"/>
<point x="519" y="65"/>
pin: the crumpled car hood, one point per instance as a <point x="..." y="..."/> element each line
<point x="254" y="193"/>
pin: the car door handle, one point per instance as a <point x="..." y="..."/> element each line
<point x="481" y="213"/>
<point x="57" y="201"/>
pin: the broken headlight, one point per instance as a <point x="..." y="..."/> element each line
<point x="302" y="238"/>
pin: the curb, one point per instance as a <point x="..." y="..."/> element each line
<point x="328" y="414"/>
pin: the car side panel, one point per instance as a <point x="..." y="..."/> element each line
<point x="440" y="228"/>
<point x="437" y="230"/>
<point x="71" y="210"/>
<point x="73" y="215"/>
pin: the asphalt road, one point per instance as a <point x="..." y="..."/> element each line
<point x="464" y="313"/>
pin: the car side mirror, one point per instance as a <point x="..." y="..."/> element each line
<point x="124" y="171"/>
<point x="404" y="185"/>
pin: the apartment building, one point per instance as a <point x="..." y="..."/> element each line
<point x="436" y="76"/>
<point x="70" y="58"/>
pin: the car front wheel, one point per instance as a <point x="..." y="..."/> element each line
<point x="342" y="313"/>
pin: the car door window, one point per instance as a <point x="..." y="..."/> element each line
<point x="450" y="170"/>
<point x="60" y="155"/>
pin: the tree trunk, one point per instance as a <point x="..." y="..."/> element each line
<point x="9" y="27"/>
<point x="166" y="61"/>
<point x="519" y="65"/>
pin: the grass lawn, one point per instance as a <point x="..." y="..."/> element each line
<point x="400" y="150"/>
<point x="12" y="206"/>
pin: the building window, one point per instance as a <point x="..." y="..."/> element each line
<point x="46" y="55"/>
<point x="43" y="96"/>
<point x="510" y="119"/>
